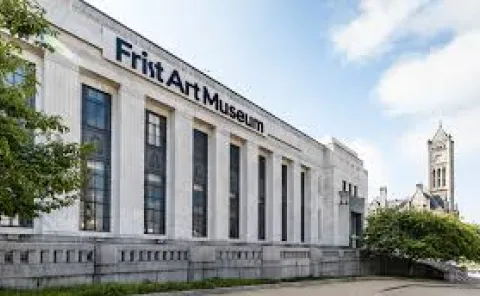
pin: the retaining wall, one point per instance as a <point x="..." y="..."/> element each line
<point x="42" y="261"/>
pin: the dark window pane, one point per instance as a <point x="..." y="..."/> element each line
<point x="200" y="177"/>
<point x="234" y="191"/>
<point x="8" y="257"/>
<point x="155" y="172"/>
<point x="284" y="201"/>
<point x="302" y="206"/>
<point x="95" y="204"/>
<point x="261" y="197"/>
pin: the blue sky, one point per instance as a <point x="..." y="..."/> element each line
<point x="376" y="74"/>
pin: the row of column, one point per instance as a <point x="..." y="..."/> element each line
<point x="128" y="115"/>
<point x="180" y="222"/>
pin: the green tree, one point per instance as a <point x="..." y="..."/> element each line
<point x="38" y="171"/>
<point x="421" y="235"/>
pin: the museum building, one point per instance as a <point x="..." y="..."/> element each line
<point x="180" y="156"/>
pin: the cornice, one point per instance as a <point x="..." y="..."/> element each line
<point x="89" y="11"/>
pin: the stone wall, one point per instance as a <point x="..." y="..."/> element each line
<point x="43" y="261"/>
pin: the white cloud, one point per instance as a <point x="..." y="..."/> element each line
<point x="380" y="23"/>
<point x="371" y="32"/>
<point x="458" y="16"/>
<point x="441" y="81"/>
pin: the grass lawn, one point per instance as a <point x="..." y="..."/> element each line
<point x="115" y="289"/>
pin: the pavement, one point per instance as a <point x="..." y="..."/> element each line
<point x="365" y="286"/>
<point x="374" y="287"/>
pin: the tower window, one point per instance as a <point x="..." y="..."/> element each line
<point x="438" y="178"/>
<point x="444" y="177"/>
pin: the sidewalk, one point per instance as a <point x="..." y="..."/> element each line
<point x="299" y="284"/>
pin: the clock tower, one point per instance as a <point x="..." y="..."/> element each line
<point x="441" y="167"/>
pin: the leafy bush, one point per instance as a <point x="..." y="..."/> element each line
<point x="421" y="235"/>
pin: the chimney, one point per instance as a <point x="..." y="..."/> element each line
<point x="420" y="186"/>
<point x="383" y="191"/>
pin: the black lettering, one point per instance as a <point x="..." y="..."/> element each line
<point x="233" y="114"/>
<point x="188" y="85"/>
<point x="260" y="126"/>
<point x="144" y="62"/>
<point x="159" y="70"/>
<point x="120" y="49"/>
<point x="240" y="116"/>
<point x="223" y="107"/>
<point x="249" y="120"/>
<point x="155" y="70"/>
<point x="211" y="100"/>
<point x="151" y="69"/>
<point x="176" y="80"/>
<point x="135" y="57"/>
<point x="196" y="89"/>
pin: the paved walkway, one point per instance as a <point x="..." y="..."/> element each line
<point x="368" y="288"/>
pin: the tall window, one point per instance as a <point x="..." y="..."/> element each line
<point x="14" y="79"/>
<point x="439" y="178"/>
<point x="344" y="186"/>
<point x="284" y="201"/>
<point x="234" y="190"/>
<point x="155" y="173"/>
<point x="355" y="191"/>
<point x="302" y="206"/>
<point x="262" y="185"/>
<point x="444" y="177"/>
<point x="350" y="189"/>
<point x="433" y="178"/>
<point x="96" y="129"/>
<point x="200" y="185"/>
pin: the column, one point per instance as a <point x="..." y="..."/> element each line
<point x="129" y="190"/>
<point x="294" y="203"/>
<point x="60" y="94"/>
<point x="312" y="206"/>
<point x="327" y="205"/>
<point x="249" y="194"/>
<point x="180" y="205"/>
<point x="219" y="213"/>
<point x="273" y="203"/>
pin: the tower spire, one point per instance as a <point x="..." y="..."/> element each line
<point x="440" y="124"/>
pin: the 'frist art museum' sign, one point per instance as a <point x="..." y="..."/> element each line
<point x="123" y="52"/>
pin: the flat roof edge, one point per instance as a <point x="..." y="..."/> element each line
<point x="264" y="111"/>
